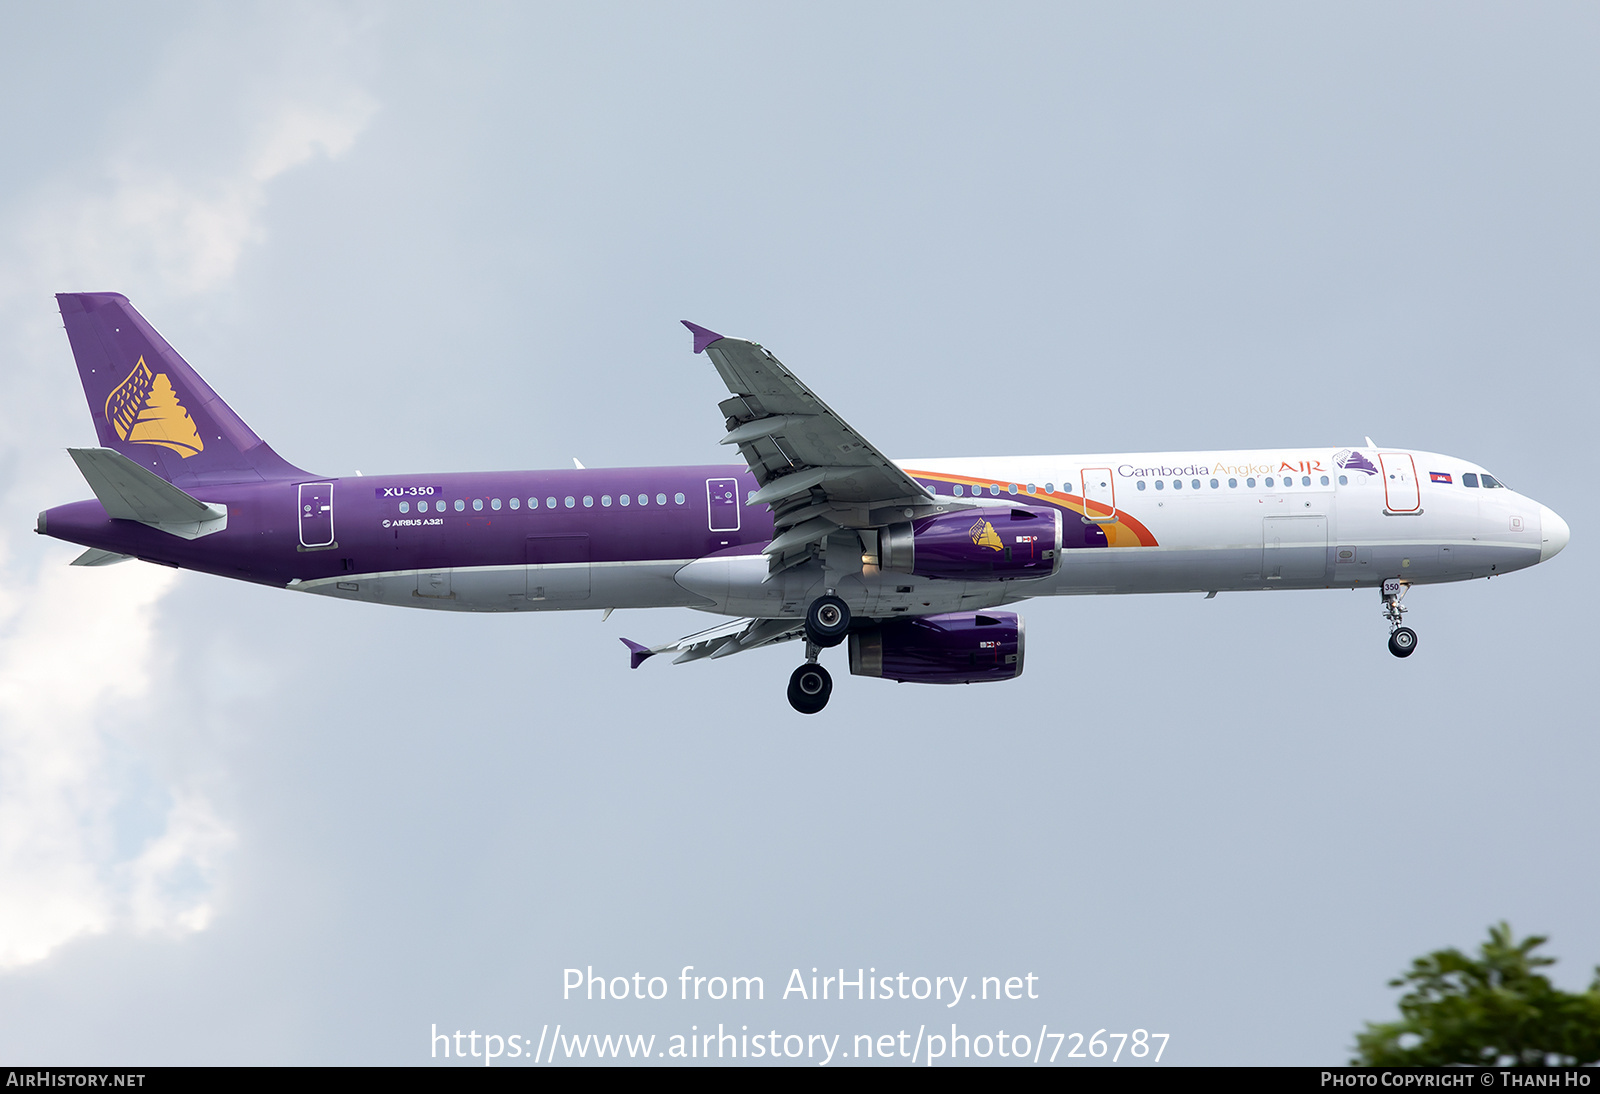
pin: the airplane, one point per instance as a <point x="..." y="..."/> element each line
<point x="816" y="537"/>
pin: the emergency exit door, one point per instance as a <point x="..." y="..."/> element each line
<point x="1099" y="494"/>
<point x="722" y="504"/>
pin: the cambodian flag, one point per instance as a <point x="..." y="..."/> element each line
<point x="1439" y="476"/>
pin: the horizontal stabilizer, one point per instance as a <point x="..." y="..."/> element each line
<point x="129" y="492"/>
<point x="94" y="556"/>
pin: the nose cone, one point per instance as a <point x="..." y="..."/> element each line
<point x="1553" y="533"/>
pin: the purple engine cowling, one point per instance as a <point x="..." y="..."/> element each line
<point x="987" y="544"/>
<point x="954" y="648"/>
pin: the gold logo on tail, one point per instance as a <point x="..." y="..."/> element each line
<point x="145" y="410"/>
<point x="984" y="535"/>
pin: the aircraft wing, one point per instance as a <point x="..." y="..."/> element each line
<point x="720" y="641"/>
<point x="816" y="473"/>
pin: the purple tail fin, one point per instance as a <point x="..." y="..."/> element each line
<point x="149" y="405"/>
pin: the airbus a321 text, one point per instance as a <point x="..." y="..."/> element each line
<point x="816" y="537"/>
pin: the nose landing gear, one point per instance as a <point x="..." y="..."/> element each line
<point x="1402" y="640"/>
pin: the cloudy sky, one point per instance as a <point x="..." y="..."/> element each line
<point x="240" y="825"/>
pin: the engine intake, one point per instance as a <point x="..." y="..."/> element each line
<point x="988" y="544"/>
<point x="954" y="648"/>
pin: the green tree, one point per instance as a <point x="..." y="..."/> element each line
<point x="1492" y="1010"/>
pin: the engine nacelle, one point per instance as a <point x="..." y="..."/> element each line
<point x="954" y="648"/>
<point x="987" y="544"/>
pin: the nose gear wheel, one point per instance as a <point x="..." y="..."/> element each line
<point x="1402" y="640"/>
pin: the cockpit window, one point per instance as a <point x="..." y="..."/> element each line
<point x="1469" y="479"/>
<point x="1490" y="484"/>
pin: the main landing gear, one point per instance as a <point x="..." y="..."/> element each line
<point x="1402" y="640"/>
<point x="827" y="623"/>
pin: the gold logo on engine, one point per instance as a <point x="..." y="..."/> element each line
<point x="144" y="409"/>
<point x="984" y="535"/>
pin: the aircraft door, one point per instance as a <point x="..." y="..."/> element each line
<point x="1099" y="494"/>
<point x="316" y="514"/>
<point x="722" y="504"/>
<point x="1400" y="491"/>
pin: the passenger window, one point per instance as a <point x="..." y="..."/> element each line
<point x="1031" y="488"/>
<point x="477" y="504"/>
<point x="1177" y="484"/>
<point x="1233" y="484"/>
<point x="959" y="490"/>
<point x="661" y="499"/>
<point x="624" y="499"/>
<point x="1344" y="480"/>
<point x="644" y="499"/>
<point x="994" y="490"/>
<point x="1067" y="486"/>
<point x="1469" y="479"/>
<point x="516" y="503"/>
<point x="1196" y="483"/>
<point x="1049" y="488"/>
<point x="495" y="505"/>
<point x="1305" y="480"/>
<point x="1161" y="484"/>
<point x="1012" y="488"/>
<point x="588" y="501"/>
<point x="550" y="503"/>
<point x="405" y="507"/>
<point x="1140" y="484"/>
<point x="1252" y="483"/>
<point x="1324" y="480"/>
<point x="1269" y="482"/>
<point x="678" y="498"/>
<point x="1214" y="484"/>
<point x="605" y="500"/>
<point x="571" y="501"/>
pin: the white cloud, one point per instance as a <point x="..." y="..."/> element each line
<point x="80" y="675"/>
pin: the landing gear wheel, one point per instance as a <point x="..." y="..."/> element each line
<point x="809" y="688"/>
<point x="827" y="621"/>
<point x="1403" y="642"/>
